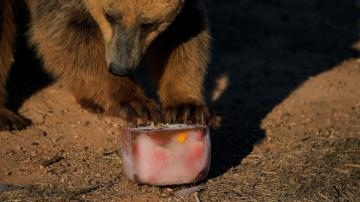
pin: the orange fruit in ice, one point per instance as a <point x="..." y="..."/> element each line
<point x="182" y="137"/>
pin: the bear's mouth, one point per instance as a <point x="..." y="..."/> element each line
<point x="121" y="71"/>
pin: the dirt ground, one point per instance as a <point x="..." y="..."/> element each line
<point x="285" y="76"/>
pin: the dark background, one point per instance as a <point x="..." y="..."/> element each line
<point x="268" y="48"/>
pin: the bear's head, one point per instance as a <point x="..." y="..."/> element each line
<point x="130" y="26"/>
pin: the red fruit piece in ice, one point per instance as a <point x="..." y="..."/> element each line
<point x="135" y="149"/>
<point x="200" y="136"/>
<point x="160" y="139"/>
<point x="161" y="154"/>
<point x="196" y="152"/>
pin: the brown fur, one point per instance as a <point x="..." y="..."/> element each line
<point x="8" y="119"/>
<point x="78" y="40"/>
<point x="179" y="60"/>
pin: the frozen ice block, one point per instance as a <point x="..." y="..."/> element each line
<point x="168" y="155"/>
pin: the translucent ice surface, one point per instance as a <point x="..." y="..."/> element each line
<point x="166" y="156"/>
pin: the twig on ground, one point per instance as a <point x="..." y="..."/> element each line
<point x="196" y="195"/>
<point x="10" y="187"/>
<point x="186" y="193"/>
<point x="84" y="190"/>
<point x="52" y="160"/>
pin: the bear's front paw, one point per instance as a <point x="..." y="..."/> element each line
<point x="11" y="121"/>
<point x="187" y="113"/>
<point x="137" y="112"/>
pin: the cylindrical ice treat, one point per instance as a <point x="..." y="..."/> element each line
<point x="167" y="155"/>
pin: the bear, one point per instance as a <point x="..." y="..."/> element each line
<point x="95" y="46"/>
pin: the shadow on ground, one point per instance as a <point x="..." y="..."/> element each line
<point x="26" y="75"/>
<point x="267" y="48"/>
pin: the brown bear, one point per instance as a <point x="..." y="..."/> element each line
<point x="94" y="46"/>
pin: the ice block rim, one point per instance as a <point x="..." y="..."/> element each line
<point x="167" y="127"/>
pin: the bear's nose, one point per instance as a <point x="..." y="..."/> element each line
<point x="119" y="70"/>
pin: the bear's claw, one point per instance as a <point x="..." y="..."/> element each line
<point x="138" y="112"/>
<point x="187" y="114"/>
<point x="11" y="121"/>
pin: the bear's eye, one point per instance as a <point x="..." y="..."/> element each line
<point x="147" y="27"/>
<point x="111" y="19"/>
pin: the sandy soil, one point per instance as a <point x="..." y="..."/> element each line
<point x="285" y="76"/>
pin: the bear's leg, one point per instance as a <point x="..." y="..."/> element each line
<point x="118" y="97"/>
<point x="8" y="119"/>
<point x="178" y="60"/>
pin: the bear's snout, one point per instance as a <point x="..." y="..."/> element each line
<point x="121" y="70"/>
